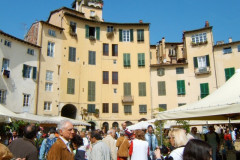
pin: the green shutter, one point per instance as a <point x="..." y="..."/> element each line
<point x="87" y="31"/>
<point x="126" y="60"/>
<point x="70" y="86"/>
<point x="195" y="62"/>
<point x="120" y="35"/>
<point x="131" y="35"/>
<point x="204" y="89"/>
<point x="181" y="87"/>
<point x="161" y="88"/>
<point x="127" y="89"/>
<point x="91" y="91"/>
<point x="141" y="59"/>
<point x="34" y="76"/>
<point x="229" y="72"/>
<point x="24" y="71"/>
<point x="207" y="60"/>
<point x="142" y="88"/>
<point x="98" y="33"/>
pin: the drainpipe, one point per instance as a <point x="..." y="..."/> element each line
<point x="214" y="62"/>
<point x="39" y="66"/>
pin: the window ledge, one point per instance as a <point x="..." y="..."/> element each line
<point x="199" y="43"/>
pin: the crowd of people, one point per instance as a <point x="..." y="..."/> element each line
<point x="67" y="143"/>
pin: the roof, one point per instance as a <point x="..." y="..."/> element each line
<point x="20" y="40"/>
<point x="71" y="10"/>
<point x="227" y="44"/>
<point x="200" y="29"/>
<point x="60" y="28"/>
<point x="176" y="43"/>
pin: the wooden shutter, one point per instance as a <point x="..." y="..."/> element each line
<point x="120" y="35"/>
<point x="91" y="91"/>
<point x="195" y="62"/>
<point x="207" y="60"/>
<point x="24" y="71"/>
<point x="127" y="89"/>
<point x="131" y="35"/>
<point x="87" y="31"/>
<point x="34" y="76"/>
<point x="181" y="87"/>
<point x="98" y="33"/>
<point x="161" y="88"/>
<point x="142" y="88"/>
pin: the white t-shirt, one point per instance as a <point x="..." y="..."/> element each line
<point x="177" y="154"/>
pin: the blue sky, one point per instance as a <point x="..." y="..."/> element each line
<point x="168" y="18"/>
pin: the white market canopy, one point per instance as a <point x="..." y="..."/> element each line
<point x="140" y="125"/>
<point x="222" y="104"/>
<point x="52" y="119"/>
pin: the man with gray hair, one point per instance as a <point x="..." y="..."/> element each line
<point x="61" y="149"/>
<point x="110" y="141"/>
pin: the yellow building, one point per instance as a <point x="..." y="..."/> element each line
<point x="183" y="72"/>
<point x="93" y="70"/>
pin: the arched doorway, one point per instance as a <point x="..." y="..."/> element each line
<point x="142" y="119"/>
<point x="105" y="127"/>
<point x="92" y="127"/>
<point x="69" y="111"/>
<point x="115" y="125"/>
<point x="128" y="123"/>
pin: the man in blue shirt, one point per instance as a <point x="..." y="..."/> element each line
<point x="152" y="141"/>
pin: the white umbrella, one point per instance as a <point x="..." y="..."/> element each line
<point x="140" y="125"/>
<point x="58" y="119"/>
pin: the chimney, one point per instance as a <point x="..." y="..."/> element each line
<point x="230" y="39"/>
<point x="140" y="21"/>
<point x="206" y="24"/>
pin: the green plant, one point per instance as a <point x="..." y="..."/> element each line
<point x="185" y="125"/>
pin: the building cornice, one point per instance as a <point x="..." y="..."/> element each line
<point x="196" y="30"/>
<point x="226" y="44"/>
<point x="167" y="64"/>
<point x="51" y="25"/>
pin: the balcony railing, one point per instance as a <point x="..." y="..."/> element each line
<point x="204" y="70"/>
<point x="127" y="99"/>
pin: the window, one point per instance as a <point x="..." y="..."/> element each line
<point x="47" y="106"/>
<point x="125" y="35"/>
<point x="201" y="62"/>
<point x="30" y="51"/>
<point x="105" y="77"/>
<point x="204" y="89"/>
<point x="161" y="71"/>
<point x="49" y="75"/>
<point x="238" y="48"/>
<point x="227" y="50"/>
<point x="180" y="70"/>
<point x="26" y="98"/>
<point x="161" y="88"/>
<point x="171" y="52"/>
<point x="105" y="49"/>
<point x="51" y="33"/>
<point x="7" y="43"/>
<point x="181" y="104"/>
<point x="92" y="32"/>
<point x="91" y="91"/>
<point x="162" y="107"/>
<point x="114" y="77"/>
<point x="3" y="94"/>
<point x="127" y="109"/>
<point x="110" y="29"/>
<point x="5" y="64"/>
<point x="73" y="27"/>
<point x="127" y="89"/>
<point x="48" y="86"/>
<point x="181" y="87"/>
<point x="70" y="86"/>
<point x="114" y="50"/>
<point x="142" y="88"/>
<point x="201" y="37"/>
<point x="50" y="50"/>
<point x="72" y="54"/>
<point x="92" y="13"/>
<point x="115" y="90"/>
<point x="92" y="57"/>
<point x="126" y="60"/>
<point x="141" y="59"/>
<point x="143" y="108"/>
<point x="115" y="108"/>
<point x="27" y="70"/>
<point x="105" y="108"/>
<point x="140" y="35"/>
<point x="229" y="72"/>
<point x="91" y="108"/>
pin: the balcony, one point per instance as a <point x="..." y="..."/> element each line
<point x="127" y="99"/>
<point x="204" y="70"/>
<point x="199" y="43"/>
<point x="110" y="34"/>
<point x="92" y="38"/>
<point x="6" y="73"/>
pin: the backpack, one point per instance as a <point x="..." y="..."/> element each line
<point x="49" y="144"/>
